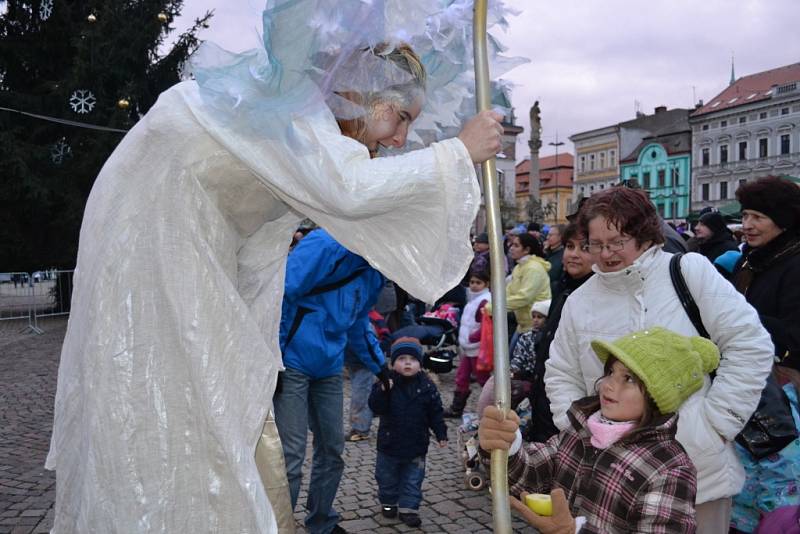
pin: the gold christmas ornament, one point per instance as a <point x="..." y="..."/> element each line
<point x="123" y="103"/>
<point x="91" y="18"/>
<point x="162" y="17"/>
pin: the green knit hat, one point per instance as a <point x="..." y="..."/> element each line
<point x="670" y="365"/>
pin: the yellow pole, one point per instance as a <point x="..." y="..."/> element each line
<point x="501" y="510"/>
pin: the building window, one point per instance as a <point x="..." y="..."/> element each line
<point x="705" y="127"/>
<point x="723" y="154"/>
<point x="784" y="144"/>
<point x="762" y="147"/>
<point x="676" y="173"/>
<point x="661" y="210"/>
<point x="705" y="192"/>
<point x="612" y="158"/>
<point x="662" y="177"/>
<point x="602" y="160"/>
<point x="784" y="111"/>
<point x="591" y="162"/>
<point x="583" y="190"/>
<point x="723" y="190"/>
<point x="762" y="115"/>
<point x="742" y="120"/>
<point x="742" y="182"/>
<point x="591" y="188"/>
<point x="582" y="166"/>
<point x="706" y="157"/>
<point x="602" y="186"/>
<point x="742" y="150"/>
<point x="723" y="124"/>
<point x="645" y="179"/>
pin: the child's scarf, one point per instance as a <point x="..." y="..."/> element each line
<point x="606" y="432"/>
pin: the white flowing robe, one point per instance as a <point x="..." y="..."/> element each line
<point x="171" y="355"/>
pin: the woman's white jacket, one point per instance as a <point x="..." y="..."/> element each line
<point x="610" y="305"/>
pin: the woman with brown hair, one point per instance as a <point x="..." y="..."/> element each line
<point x="632" y="290"/>
<point x="529" y="281"/>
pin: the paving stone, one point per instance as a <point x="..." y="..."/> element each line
<point x="28" y="369"/>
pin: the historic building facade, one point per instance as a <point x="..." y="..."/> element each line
<point x="661" y="161"/>
<point x="596" y="160"/>
<point x="555" y="186"/>
<point x="749" y="130"/>
<point x="506" y="166"/>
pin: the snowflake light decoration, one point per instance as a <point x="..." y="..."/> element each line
<point x="59" y="151"/>
<point x="45" y="9"/>
<point x="82" y="101"/>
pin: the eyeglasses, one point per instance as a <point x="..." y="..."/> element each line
<point x="614" y="246"/>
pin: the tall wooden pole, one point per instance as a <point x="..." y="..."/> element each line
<point x="501" y="510"/>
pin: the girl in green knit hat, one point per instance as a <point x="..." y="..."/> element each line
<point x="618" y="467"/>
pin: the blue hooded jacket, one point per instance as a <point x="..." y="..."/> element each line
<point x="327" y="297"/>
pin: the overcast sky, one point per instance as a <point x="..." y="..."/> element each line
<point x="590" y="60"/>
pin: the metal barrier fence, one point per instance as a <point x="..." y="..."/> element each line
<point x="33" y="295"/>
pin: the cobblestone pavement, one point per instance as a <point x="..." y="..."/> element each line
<point x="28" y="369"/>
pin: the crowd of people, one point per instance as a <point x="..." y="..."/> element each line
<point x="635" y="408"/>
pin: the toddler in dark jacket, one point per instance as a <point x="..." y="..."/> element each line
<point x="408" y="411"/>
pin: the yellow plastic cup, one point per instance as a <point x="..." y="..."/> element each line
<point x="539" y="503"/>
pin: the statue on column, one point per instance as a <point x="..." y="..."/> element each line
<point x="536" y="126"/>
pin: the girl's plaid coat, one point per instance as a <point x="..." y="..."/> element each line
<point x="644" y="485"/>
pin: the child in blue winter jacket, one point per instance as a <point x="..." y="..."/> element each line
<point x="408" y="410"/>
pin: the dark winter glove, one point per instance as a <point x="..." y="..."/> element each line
<point x="383" y="376"/>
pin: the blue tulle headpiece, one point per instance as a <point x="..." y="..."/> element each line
<point x="313" y="50"/>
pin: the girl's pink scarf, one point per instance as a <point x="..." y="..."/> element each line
<point x="606" y="432"/>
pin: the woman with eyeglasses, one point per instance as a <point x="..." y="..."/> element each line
<point x="632" y="291"/>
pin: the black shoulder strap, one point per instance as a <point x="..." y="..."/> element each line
<point x="336" y="285"/>
<point x="685" y="296"/>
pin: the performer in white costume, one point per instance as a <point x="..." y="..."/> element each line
<point x="170" y="360"/>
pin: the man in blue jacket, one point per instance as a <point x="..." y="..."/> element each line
<point x="328" y="294"/>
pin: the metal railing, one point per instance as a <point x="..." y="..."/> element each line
<point x="30" y="296"/>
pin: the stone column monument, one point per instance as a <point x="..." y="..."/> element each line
<point x="535" y="144"/>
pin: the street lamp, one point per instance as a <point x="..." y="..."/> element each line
<point x="556" y="144"/>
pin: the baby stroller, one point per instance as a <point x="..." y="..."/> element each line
<point x="440" y="348"/>
<point x="475" y="474"/>
<point x="439" y="339"/>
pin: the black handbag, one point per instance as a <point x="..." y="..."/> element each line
<point x="771" y="427"/>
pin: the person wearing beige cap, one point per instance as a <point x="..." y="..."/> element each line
<point x="618" y="466"/>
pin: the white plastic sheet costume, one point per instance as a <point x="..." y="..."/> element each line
<point x="171" y="354"/>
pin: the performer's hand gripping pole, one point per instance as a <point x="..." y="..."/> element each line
<point x="501" y="510"/>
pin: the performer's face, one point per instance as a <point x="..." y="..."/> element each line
<point x="388" y="124"/>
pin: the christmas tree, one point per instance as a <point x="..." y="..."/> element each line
<point x="74" y="76"/>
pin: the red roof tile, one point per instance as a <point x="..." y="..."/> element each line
<point x="752" y="88"/>
<point x="553" y="178"/>
<point x="547" y="172"/>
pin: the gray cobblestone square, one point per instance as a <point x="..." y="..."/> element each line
<point x="28" y="369"/>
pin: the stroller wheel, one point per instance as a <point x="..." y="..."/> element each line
<point x="474" y="482"/>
